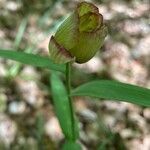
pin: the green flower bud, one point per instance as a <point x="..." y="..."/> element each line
<point x="80" y="36"/>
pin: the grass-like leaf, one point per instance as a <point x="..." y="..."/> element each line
<point x="70" y="145"/>
<point x="20" y="32"/>
<point x="62" y="107"/>
<point x="31" y="59"/>
<point x="112" y="90"/>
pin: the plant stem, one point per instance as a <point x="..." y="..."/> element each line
<point x="68" y="80"/>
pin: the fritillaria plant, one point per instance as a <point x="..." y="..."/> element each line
<point x="77" y="40"/>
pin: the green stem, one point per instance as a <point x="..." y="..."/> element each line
<point x="68" y="80"/>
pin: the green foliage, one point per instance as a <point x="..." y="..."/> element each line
<point x="14" y="69"/>
<point x="71" y="146"/>
<point x="113" y="140"/>
<point x="20" y="33"/>
<point x="31" y="59"/>
<point x="40" y="130"/>
<point x="114" y="90"/>
<point x="62" y="107"/>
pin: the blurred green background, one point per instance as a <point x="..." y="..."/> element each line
<point x="27" y="118"/>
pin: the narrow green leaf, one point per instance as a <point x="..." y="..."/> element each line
<point x="16" y="67"/>
<point x="31" y="59"/>
<point x="70" y="145"/>
<point x="115" y="91"/>
<point x="62" y="107"/>
<point x="20" y="32"/>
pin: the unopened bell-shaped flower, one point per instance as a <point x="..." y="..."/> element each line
<point x="80" y="36"/>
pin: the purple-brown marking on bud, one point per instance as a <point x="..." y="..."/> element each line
<point x="61" y="49"/>
<point x="58" y="53"/>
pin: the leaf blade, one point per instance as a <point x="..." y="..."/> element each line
<point x="20" y="32"/>
<point x="114" y="90"/>
<point x="70" y="145"/>
<point x="62" y="107"/>
<point x="31" y="59"/>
